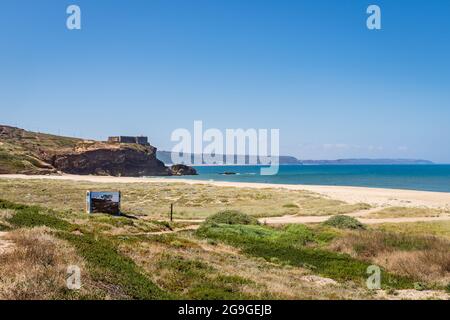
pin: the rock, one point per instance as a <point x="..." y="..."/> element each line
<point x="108" y="160"/>
<point x="183" y="170"/>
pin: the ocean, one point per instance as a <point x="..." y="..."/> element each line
<point x="411" y="177"/>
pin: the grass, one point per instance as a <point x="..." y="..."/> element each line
<point x="195" y="268"/>
<point x="344" y="222"/>
<point x="200" y="279"/>
<point x="232" y="217"/>
<point x="436" y="228"/>
<point x="154" y="199"/>
<point x="226" y="258"/>
<point x="424" y="258"/>
<point x="36" y="268"/>
<point x="117" y="273"/>
<point x="397" y="212"/>
<point x="108" y="266"/>
<point x="295" y="246"/>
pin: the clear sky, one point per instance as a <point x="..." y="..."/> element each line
<point x="310" y="68"/>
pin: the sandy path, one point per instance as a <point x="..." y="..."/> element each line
<point x="373" y="196"/>
<point x="5" y="245"/>
<point x="319" y="219"/>
<point x="157" y="233"/>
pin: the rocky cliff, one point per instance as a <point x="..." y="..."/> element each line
<point x="110" y="159"/>
<point x="28" y="152"/>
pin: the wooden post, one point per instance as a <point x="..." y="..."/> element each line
<point x="171" y="212"/>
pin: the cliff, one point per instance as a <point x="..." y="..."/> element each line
<point x="96" y="158"/>
<point x="29" y="152"/>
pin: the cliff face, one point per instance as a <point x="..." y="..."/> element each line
<point x="28" y="152"/>
<point x="111" y="160"/>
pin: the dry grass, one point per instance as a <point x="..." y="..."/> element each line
<point x="398" y="212"/>
<point x="195" y="201"/>
<point x="259" y="278"/>
<point x="437" y="228"/>
<point x="425" y="258"/>
<point x="36" y="268"/>
<point x="6" y="214"/>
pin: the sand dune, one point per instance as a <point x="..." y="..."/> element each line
<point x="375" y="196"/>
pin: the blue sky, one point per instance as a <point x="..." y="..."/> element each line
<point x="310" y="68"/>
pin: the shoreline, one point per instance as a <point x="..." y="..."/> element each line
<point x="381" y="197"/>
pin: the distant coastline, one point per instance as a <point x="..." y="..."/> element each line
<point x="166" y="157"/>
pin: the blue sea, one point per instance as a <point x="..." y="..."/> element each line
<point x="412" y="177"/>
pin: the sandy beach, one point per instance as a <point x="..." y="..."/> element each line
<point x="374" y="196"/>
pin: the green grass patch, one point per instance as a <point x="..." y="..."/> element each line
<point x="232" y="217"/>
<point x="194" y="279"/>
<point x="344" y="222"/>
<point x="290" y="205"/>
<point x="105" y="263"/>
<point x="294" y="245"/>
<point x="32" y="216"/>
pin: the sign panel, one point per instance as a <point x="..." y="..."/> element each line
<point x="103" y="202"/>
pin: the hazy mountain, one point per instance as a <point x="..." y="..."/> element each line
<point x="166" y="157"/>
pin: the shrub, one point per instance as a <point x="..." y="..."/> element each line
<point x="344" y="222"/>
<point x="290" y="205"/>
<point x="447" y="288"/>
<point x="231" y="217"/>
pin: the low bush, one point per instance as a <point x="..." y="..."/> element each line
<point x="344" y="222"/>
<point x="232" y="217"/>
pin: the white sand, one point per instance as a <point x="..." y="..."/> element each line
<point x="374" y="196"/>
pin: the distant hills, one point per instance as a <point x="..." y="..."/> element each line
<point x="365" y="161"/>
<point x="166" y="157"/>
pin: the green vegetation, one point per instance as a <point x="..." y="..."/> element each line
<point x="20" y="150"/>
<point x="344" y="222"/>
<point x="232" y="217"/>
<point x="193" y="202"/>
<point x="200" y="279"/>
<point x="393" y="212"/>
<point x="108" y="266"/>
<point x="290" y="205"/>
<point x="105" y="263"/>
<point x="230" y="256"/>
<point x="297" y="246"/>
<point x="434" y="228"/>
<point x="420" y="257"/>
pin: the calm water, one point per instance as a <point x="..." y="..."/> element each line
<point x="414" y="177"/>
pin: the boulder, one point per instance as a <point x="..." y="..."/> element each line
<point x="183" y="170"/>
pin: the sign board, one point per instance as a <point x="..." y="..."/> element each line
<point x="103" y="202"/>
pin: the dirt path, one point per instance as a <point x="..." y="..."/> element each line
<point x="360" y="215"/>
<point x="5" y="245"/>
<point x="157" y="233"/>
<point x="319" y="219"/>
